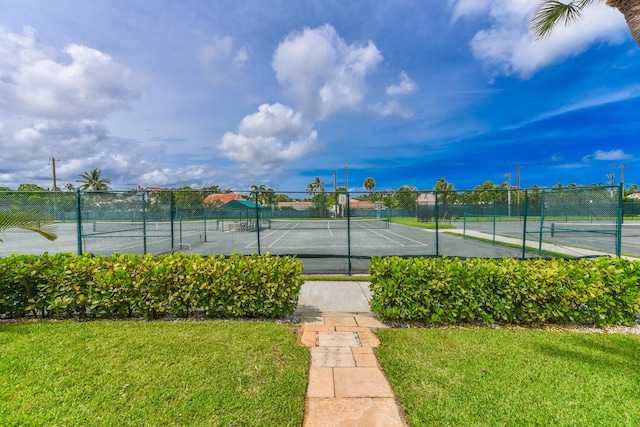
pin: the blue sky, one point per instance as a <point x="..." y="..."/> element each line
<point x="235" y="93"/>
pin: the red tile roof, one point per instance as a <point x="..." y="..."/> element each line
<point x="220" y="199"/>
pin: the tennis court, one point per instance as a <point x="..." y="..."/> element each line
<point x="568" y="222"/>
<point x="325" y="246"/>
<point x="360" y="238"/>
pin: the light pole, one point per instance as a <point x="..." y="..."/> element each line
<point x="55" y="184"/>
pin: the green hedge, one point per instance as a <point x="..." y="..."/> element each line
<point x="601" y="291"/>
<point x="119" y="285"/>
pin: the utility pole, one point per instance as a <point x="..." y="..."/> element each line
<point x="622" y="167"/>
<point x="346" y="177"/>
<point x="612" y="178"/>
<point x="55" y="184"/>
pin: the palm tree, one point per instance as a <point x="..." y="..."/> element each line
<point x="443" y="185"/>
<point x="92" y="181"/>
<point x="369" y="184"/>
<point x="27" y="220"/>
<point x="315" y="186"/>
<point x="552" y="12"/>
<point x="69" y="187"/>
<point x="256" y="192"/>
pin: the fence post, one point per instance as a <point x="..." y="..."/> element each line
<point x="205" y="225"/>
<point x="524" y="223"/>
<point x="541" y="222"/>
<point x="172" y="215"/>
<point x="493" y="236"/>
<point x="144" y="223"/>
<point x="437" y="214"/>
<point x="79" y="220"/>
<point x="619" y="222"/>
<point x="348" y="236"/>
<point x="257" y="221"/>
<point x="464" y="222"/>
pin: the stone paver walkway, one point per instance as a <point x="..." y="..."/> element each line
<point x="346" y="386"/>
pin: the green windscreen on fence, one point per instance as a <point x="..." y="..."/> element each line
<point x="331" y="232"/>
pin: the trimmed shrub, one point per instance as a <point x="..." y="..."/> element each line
<point x="602" y="291"/>
<point x="66" y="285"/>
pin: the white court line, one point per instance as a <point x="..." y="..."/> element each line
<point x="328" y="228"/>
<point x="408" y="238"/>
<point x="255" y="242"/>
<point x="382" y="235"/>
<point x="276" y="241"/>
<point x="395" y="234"/>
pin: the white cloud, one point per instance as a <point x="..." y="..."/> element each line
<point x="324" y="74"/>
<point x="221" y="59"/>
<point x="615" y="154"/>
<point x="77" y="83"/>
<point x="169" y="176"/>
<point x="274" y="120"/>
<point x="78" y="146"/>
<point x="468" y="8"/>
<point x="405" y="87"/>
<point x="391" y="108"/>
<point x="273" y="135"/>
<point x="507" y="48"/>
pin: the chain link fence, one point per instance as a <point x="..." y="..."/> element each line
<point x="332" y="232"/>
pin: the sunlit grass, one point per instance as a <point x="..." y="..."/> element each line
<point x="151" y="374"/>
<point x="413" y="222"/>
<point x="487" y="377"/>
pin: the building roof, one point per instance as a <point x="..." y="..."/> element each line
<point x="299" y="206"/>
<point x="361" y="204"/>
<point x="426" y="199"/>
<point x="240" y="204"/>
<point x="219" y="199"/>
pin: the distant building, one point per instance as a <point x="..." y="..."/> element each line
<point x="426" y="199"/>
<point x="298" y="206"/>
<point x="360" y="204"/>
<point x="218" y="199"/>
<point x="634" y="196"/>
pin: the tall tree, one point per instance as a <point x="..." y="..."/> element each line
<point x="256" y="192"/>
<point x="92" y="181"/>
<point x="407" y="196"/>
<point x="552" y="12"/>
<point x="30" y="187"/>
<point x="443" y="185"/>
<point x="266" y="196"/>
<point x="316" y="186"/>
<point x="446" y="194"/>
<point x="369" y="184"/>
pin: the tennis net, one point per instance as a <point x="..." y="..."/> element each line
<point x="328" y="224"/>
<point x="570" y="228"/>
<point x="98" y="228"/>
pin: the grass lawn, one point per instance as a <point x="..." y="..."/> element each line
<point x="139" y="373"/>
<point x="506" y="377"/>
<point x="413" y="222"/>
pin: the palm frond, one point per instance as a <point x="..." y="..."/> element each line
<point x="552" y="12"/>
<point x="31" y="220"/>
